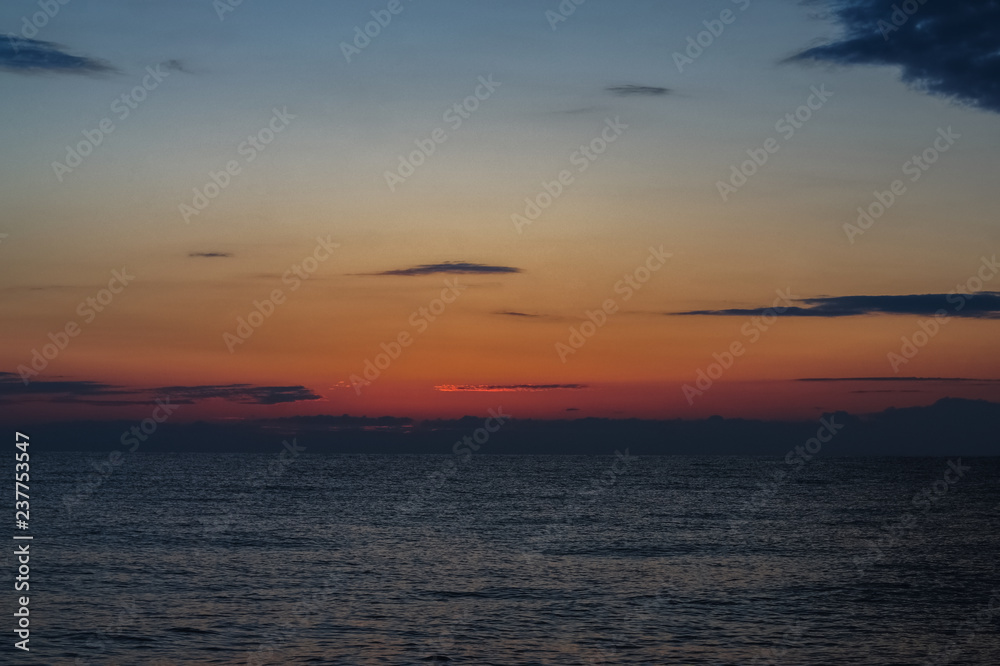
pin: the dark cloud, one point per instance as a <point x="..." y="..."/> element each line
<point x="12" y="388"/>
<point x="30" y="56"/>
<point x="951" y="49"/>
<point x="981" y="305"/>
<point x="507" y="388"/>
<point x="630" y="90"/>
<point x="209" y="255"/>
<point x="450" y="267"/>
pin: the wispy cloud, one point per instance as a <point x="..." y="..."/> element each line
<point x="11" y="385"/>
<point x="630" y="90"/>
<point x="31" y="56"/>
<point x="533" y="316"/>
<point x="210" y="255"/>
<point x="175" y="65"/>
<point x="507" y="388"/>
<point x="900" y="384"/>
<point x="888" y="391"/>
<point x="981" y="305"/>
<point x="247" y="394"/>
<point x="951" y="49"/>
<point x="461" y="267"/>
<point x="580" y="110"/>
<point x="898" y="379"/>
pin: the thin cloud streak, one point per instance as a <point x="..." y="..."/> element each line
<point x="507" y="388"/>
<point x="897" y="379"/>
<point x="630" y="90"/>
<point x="13" y="389"/>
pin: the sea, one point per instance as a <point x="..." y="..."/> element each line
<point x="305" y="558"/>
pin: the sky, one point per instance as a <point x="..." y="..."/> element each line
<point x="640" y="208"/>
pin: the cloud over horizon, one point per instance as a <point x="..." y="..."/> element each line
<point x="949" y="49"/>
<point x="100" y="394"/>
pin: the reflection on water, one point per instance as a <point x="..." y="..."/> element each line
<point x="514" y="560"/>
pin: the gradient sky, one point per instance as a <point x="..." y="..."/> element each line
<point x="324" y="177"/>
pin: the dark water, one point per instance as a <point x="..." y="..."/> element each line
<point x="513" y="560"/>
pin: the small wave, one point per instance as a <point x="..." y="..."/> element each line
<point x="191" y="630"/>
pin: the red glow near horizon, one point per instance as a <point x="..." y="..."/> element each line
<point x="508" y="388"/>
